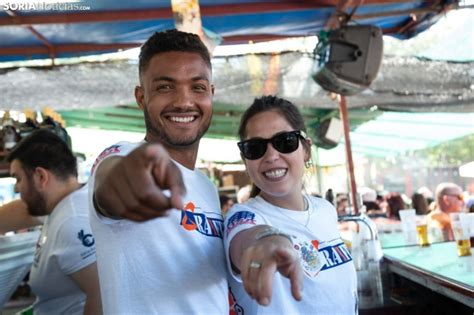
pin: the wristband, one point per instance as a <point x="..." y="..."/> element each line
<point x="271" y="231"/>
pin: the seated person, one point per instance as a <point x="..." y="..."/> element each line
<point x="369" y="200"/>
<point x="449" y="199"/>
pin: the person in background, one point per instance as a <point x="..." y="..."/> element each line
<point x="342" y="202"/>
<point x="419" y="203"/>
<point x="427" y="193"/>
<point x="329" y="196"/>
<point x="395" y="203"/>
<point x="369" y="200"/>
<point x="449" y="199"/>
<point x="280" y="232"/>
<point x="470" y="205"/>
<point x="226" y="203"/>
<point x="156" y="217"/>
<point x="64" y="274"/>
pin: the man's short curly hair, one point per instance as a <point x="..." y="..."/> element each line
<point x="171" y="40"/>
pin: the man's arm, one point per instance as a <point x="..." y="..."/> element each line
<point x="87" y="279"/>
<point x="14" y="216"/>
<point x="132" y="186"/>
<point x="273" y="253"/>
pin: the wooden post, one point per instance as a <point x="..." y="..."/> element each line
<point x="347" y="141"/>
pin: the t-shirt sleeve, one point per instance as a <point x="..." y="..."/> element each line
<point x="239" y="218"/>
<point x="75" y="245"/>
<point x="119" y="149"/>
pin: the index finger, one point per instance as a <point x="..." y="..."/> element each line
<point x="166" y="174"/>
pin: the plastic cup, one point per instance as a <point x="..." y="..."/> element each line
<point x="422" y="230"/>
<point x="408" y="223"/>
<point x="461" y="234"/>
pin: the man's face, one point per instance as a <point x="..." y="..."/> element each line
<point x="176" y="97"/>
<point x="26" y="188"/>
<point x="453" y="200"/>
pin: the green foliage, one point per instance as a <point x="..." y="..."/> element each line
<point x="451" y="153"/>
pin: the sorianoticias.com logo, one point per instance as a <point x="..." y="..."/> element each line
<point x="43" y="5"/>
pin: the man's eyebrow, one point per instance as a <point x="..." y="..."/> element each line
<point x="163" y="78"/>
<point x="169" y="79"/>
<point x="199" y="78"/>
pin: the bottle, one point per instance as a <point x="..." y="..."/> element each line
<point x="10" y="135"/>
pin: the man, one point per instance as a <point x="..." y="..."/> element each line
<point x="64" y="273"/>
<point x="449" y="199"/>
<point x="174" y="262"/>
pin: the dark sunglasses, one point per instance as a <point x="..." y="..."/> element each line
<point x="283" y="142"/>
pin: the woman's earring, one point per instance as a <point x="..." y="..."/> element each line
<point x="308" y="163"/>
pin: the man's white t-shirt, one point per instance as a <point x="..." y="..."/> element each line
<point x="330" y="285"/>
<point x="65" y="246"/>
<point x="170" y="265"/>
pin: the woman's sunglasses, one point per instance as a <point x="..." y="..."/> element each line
<point x="283" y="142"/>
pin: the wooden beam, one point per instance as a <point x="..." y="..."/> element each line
<point x="64" y="48"/>
<point x="347" y="142"/>
<point x="166" y="13"/>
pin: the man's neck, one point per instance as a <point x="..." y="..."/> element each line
<point x="61" y="190"/>
<point x="185" y="157"/>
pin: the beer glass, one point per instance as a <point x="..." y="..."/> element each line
<point x="422" y="230"/>
<point x="461" y="235"/>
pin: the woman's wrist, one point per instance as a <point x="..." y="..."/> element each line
<point x="272" y="231"/>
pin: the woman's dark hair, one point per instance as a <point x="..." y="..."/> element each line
<point x="395" y="203"/>
<point x="273" y="103"/>
<point x="43" y="148"/>
<point x="419" y="203"/>
<point x="171" y="40"/>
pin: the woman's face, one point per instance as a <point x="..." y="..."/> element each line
<point x="278" y="175"/>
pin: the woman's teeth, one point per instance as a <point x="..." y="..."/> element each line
<point x="275" y="173"/>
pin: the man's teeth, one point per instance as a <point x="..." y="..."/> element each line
<point x="276" y="173"/>
<point x="182" y="119"/>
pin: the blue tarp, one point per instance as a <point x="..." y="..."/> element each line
<point x="301" y="21"/>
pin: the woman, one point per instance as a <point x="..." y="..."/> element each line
<point x="281" y="232"/>
<point x="420" y="204"/>
<point x="395" y="203"/>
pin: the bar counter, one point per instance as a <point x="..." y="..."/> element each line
<point x="437" y="267"/>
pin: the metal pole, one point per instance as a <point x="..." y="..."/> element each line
<point x="347" y="141"/>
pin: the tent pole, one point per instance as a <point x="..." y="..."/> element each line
<point x="350" y="164"/>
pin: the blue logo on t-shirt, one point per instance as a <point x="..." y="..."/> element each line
<point x="86" y="239"/>
<point x="335" y="255"/>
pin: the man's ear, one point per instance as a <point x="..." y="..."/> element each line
<point x="212" y="89"/>
<point x="445" y="200"/>
<point x="41" y="177"/>
<point x="139" y="96"/>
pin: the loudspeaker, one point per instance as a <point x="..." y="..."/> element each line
<point x="329" y="133"/>
<point x="349" y="59"/>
